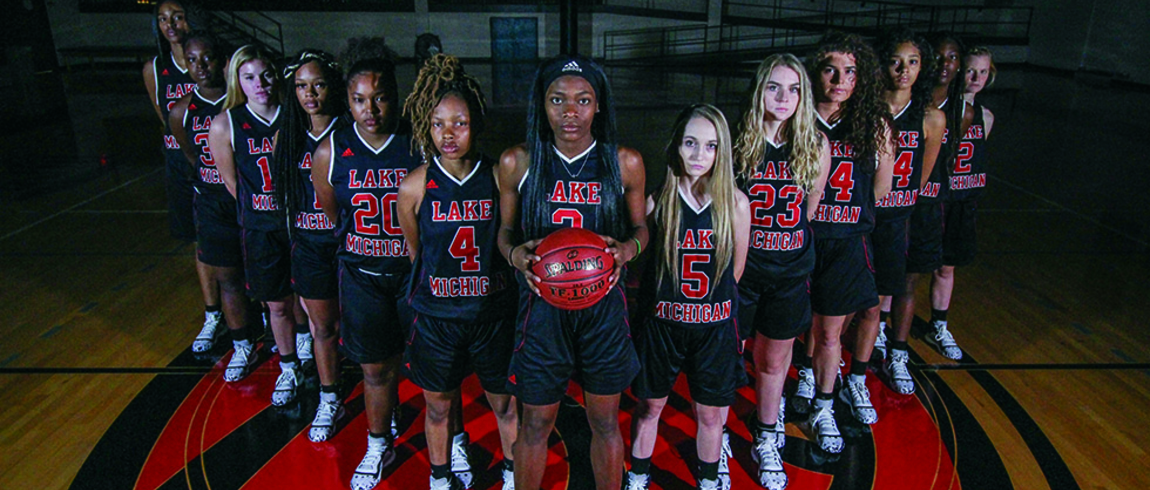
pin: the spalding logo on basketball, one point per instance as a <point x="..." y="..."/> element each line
<point x="574" y="268"/>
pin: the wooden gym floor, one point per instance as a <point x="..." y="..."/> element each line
<point x="97" y="386"/>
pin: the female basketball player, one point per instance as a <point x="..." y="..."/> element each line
<point x="851" y="112"/>
<point x="357" y="171"/>
<point x="783" y="165"/>
<point x="462" y="290"/>
<point x="965" y="185"/>
<point x="950" y="52"/>
<point x="910" y="81"/>
<point x="315" y="98"/>
<point x="217" y="229"/>
<point x="570" y="173"/>
<point x="250" y="121"/>
<point x="704" y="224"/>
<point x="167" y="80"/>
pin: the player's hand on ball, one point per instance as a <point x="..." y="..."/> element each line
<point x="522" y="257"/>
<point x="622" y="252"/>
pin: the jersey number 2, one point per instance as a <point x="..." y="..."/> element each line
<point x="362" y="215"/>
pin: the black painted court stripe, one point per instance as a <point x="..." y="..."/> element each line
<point x="1135" y="366"/>
<point x="1053" y="467"/>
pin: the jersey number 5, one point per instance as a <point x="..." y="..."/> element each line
<point x="694" y="284"/>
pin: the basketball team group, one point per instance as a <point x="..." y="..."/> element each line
<point x="371" y="228"/>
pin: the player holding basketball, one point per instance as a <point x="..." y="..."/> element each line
<point x="357" y="172"/>
<point x="462" y="291"/>
<point x="910" y="80"/>
<point x="217" y="227"/>
<point x="703" y="223"/>
<point x="965" y="185"/>
<point x="167" y="81"/>
<point x="571" y="173"/>
<point x="315" y="100"/>
<point x="241" y="144"/>
<point x="783" y="165"/>
<point x="848" y="100"/>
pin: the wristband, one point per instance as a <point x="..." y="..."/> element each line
<point x="639" y="250"/>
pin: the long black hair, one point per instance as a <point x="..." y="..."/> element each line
<point x="194" y="16"/>
<point x="540" y="140"/>
<point x="372" y="55"/>
<point x="291" y="143"/>
<point x="954" y="103"/>
<point x="920" y="93"/>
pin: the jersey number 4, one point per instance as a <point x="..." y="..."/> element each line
<point x="370" y="209"/>
<point x="842" y="181"/>
<point x="463" y="247"/>
<point x="903" y="169"/>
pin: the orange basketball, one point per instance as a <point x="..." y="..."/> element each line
<point x="574" y="268"/>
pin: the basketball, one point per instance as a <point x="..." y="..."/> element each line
<point x="574" y="268"/>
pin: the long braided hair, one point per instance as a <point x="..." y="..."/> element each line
<point x="291" y="142"/>
<point x="920" y="92"/>
<point x="866" y="115"/>
<point x="441" y="75"/>
<point x="540" y="142"/>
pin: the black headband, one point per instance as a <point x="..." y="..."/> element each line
<point x="574" y="66"/>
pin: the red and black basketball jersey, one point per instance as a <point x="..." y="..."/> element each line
<point x="252" y="147"/>
<point x="460" y="274"/>
<point x="312" y="219"/>
<point x="907" y="175"/>
<point x="197" y="123"/>
<point x="968" y="179"/>
<point x="172" y="83"/>
<point x="366" y="183"/>
<point x="847" y="206"/>
<point x="935" y="184"/>
<point x="575" y="191"/>
<point x="780" y="245"/>
<point x="700" y="296"/>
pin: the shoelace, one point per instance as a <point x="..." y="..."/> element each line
<point x="240" y="358"/>
<point x="768" y="454"/>
<point x="825" y="421"/>
<point x="459" y="456"/>
<point x="212" y="321"/>
<point x="287" y="377"/>
<point x="326" y="411"/>
<point x="944" y="337"/>
<point x="372" y="458"/>
<point x="861" y="394"/>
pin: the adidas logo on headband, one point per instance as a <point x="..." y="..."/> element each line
<point x="572" y="66"/>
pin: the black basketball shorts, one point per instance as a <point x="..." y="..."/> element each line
<point x="441" y="353"/>
<point x="779" y="311"/>
<point x="181" y="193"/>
<point x="890" y="244"/>
<point x="552" y="346"/>
<point x="314" y="266"/>
<point x="843" y="279"/>
<point x="710" y="356"/>
<point x="267" y="264"/>
<point x="218" y="233"/>
<point x="924" y="247"/>
<point x="959" y="244"/>
<point x="374" y="316"/>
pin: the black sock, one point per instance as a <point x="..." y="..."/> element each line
<point x="329" y="388"/>
<point x="509" y="465"/>
<point x="381" y="435"/>
<point x="640" y="466"/>
<point x="239" y="334"/>
<point x="302" y="328"/>
<point x="802" y="359"/>
<point x="760" y="427"/>
<point x="289" y="358"/>
<point x="858" y="367"/>
<point x="212" y="308"/>
<point x="899" y="344"/>
<point x="439" y="471"/>
<point x="937" y="315"/>
<point x="709" y="471"/>
<point x="884" y="317"/>
<point x="824" y="396"/>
